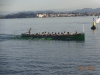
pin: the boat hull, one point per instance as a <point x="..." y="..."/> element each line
<point x="78" y="37"/>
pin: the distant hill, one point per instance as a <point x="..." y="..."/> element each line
<point x="7" y="12"/>
<point x="87" y="10"/>
<point x="45" y="11"/>
<point x="65" y="11"/>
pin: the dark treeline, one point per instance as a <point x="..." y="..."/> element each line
<point x="20" y="15"/>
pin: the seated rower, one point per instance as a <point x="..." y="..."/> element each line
<point x="67" y="33"/>
<point x="58" y="33"/>
<point x="61" y="33"/>
<point x="36" y="34"/>
<point x="48" y="33"/>
<point x="70" y="33"/>
<point x="55" y="34"/>
<point x="45" y="33"/>
<point x="42" y="33"/>
<point x="64" y="33"/>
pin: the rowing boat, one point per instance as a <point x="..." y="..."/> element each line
<point x="77" y="37"/>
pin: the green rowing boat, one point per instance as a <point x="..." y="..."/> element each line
<point x="77" y="37"/>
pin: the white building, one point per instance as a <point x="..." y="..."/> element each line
<point x="41" y="15"/>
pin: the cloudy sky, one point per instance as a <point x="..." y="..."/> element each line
<point x="34" y="5"/>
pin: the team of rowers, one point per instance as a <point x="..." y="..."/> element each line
<point x="52" y="34"/>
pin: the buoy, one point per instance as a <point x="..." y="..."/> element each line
<point x="93" y="25"/>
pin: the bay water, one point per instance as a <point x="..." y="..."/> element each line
<point x="43" y="57"/>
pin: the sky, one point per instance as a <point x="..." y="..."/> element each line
<point x="36" y="5"/>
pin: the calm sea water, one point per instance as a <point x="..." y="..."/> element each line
<point x="42" y="57"/>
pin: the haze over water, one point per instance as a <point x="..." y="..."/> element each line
<point x="42" y="57"/>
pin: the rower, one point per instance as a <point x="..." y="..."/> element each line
<point x="58" y="33"/>
<point x="70" y="33"/>
<point x="45" y="33"/>
<point x="55" y="34"/>
<point x="61" y="33"/>
<point x="48" y="33"/>
<point x="42" y="33"/>
<point x="64" y="33"/>
<point x="67" y="33"/>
